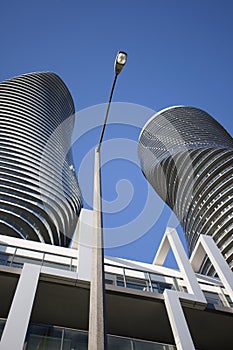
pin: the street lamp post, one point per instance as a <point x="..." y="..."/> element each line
<point x="97" y="332"/>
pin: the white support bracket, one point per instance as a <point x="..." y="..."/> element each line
<point x="206" y="245"/>
<point x="171" y="239"/>
<point x="174" y="300"/>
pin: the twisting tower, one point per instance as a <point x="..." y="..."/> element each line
<point x="187" y="156"/>
<point x="39" y="194"/>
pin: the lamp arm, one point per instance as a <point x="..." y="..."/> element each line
<point x="106" y="114"/>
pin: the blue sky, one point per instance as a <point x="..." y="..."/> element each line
<point x="179" y="53"/>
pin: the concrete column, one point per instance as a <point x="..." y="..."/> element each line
<point x="96" y="337"/>
<point x="15" y="330"/>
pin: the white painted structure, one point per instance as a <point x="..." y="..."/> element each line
<point x="44" y="271"/>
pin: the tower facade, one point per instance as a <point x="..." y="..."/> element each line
<point x="187" y="156"/>
<point x="40" y="197"/>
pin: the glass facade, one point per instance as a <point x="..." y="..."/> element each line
<point x="146" y="281"/>
<point x="156" y="283"/>
<point x="47" y="337"/>
<point x="214" y="298"/>
<point x="16" y="257"/>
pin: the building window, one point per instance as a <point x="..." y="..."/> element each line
<point x="159" y="287"/>
<point x="136" y="283"/>
<point x="17" y="257"/>
<point x="5" y="259"/>
<point x="213" y="298"/>
<point x="120" y="281"/>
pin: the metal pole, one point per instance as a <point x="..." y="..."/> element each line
<point x="97" y="331"/>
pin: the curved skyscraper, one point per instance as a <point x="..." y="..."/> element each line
<point x="187" y="156"/>
<point x="39" y="195"/>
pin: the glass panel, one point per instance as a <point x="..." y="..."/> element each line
<point x="120" y="281"/>
<point x="74" y="268"/>
<point x="56" y="266"/>
<point x="6" y="254"/>
<point x="43" y="338"/>
<point x="159" y="287"/>
<point x="19" y="261"/>
<point x="57" y="262"/>
<point x="213" y="298"/>
<point x="5" y="259"/>
<point x="110" y="278"/>
<point x="117" y="343"/>
<point x="46" y="337"/>
<point x="137" y="283"/>
<point x="107" y="281"/>
<point x="142" y="345"/>
<point x="75" y="340"/>
<point x="183" y="289"/>
<point x="26" y="256"/>
<point x="6" y="249"/>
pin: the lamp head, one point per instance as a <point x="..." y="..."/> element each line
<point x="120" y="61"/>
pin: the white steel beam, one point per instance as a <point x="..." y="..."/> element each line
<point x="177" y="320"/>
<point x="175" y="299"/>
<point x="16" y="326"/>
<point x="171" y="239"/>
<point x="206" y="245"/>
